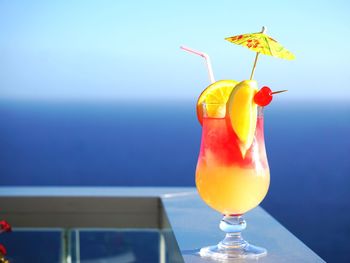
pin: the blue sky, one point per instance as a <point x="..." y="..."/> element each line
<point x="130" y="49"/>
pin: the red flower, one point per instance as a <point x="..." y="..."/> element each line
<point x="5" y="226"/>
<point x="3" y="251"/>
<point x="253" y="43"/>
<point x="236" y="37"/>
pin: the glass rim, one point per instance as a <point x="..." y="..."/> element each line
<point x="205" y="103"/>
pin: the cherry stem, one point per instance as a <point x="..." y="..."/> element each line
<point x="279" y="91"/>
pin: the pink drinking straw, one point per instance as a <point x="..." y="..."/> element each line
<point x="207" y="60"/>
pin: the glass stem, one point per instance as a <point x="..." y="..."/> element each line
<point x="233" y="226"/>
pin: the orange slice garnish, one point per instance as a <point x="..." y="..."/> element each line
<point x="216" y="93"/>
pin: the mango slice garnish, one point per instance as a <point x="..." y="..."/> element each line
<point x="242" y="112"/>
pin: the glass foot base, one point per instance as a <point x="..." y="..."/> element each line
<point x="223" y="253"/>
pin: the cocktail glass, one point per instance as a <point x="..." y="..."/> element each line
<point x="231" y="180"/>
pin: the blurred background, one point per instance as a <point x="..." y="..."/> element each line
<point x="98" y="93"/>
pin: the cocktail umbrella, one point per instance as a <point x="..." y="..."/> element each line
<point x="262" y="44"/>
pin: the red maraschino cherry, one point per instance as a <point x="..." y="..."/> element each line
<point x="263" y="97"/>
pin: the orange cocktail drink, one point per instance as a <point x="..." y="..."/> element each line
<point x="232" y="174"/>
<point x="229" y="180"/>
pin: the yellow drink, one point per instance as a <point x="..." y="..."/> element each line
<point x="226" y="180"/>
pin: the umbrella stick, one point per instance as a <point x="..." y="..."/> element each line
<point x="263" y="30"/>
<point x="253" y="70"/>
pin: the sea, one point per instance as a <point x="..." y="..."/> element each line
<point x="152" y="143"/>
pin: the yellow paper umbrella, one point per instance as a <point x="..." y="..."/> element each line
<point x="261" y="43"/>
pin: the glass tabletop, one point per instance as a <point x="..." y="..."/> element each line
<point x="85" y="245"/>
